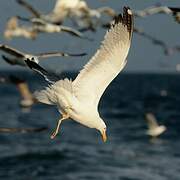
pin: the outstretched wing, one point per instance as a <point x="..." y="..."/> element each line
<point x="58" y="54"/>
<point x="108" y="61"/>
<point x="151" y="120"/>
<point x="12" y="51"/>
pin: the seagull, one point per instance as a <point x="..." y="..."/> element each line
<point x="79" y="99"/>
<point x="18" y="57"/>
<point x="27" y="98"/>
<point x="174" y="11"/>
<point x="13" y="29"/>
<point x="76" y="10"/>
<point x="154" y="129"/>
<point x="41" y="26"/>
<point x="38" y="26"/>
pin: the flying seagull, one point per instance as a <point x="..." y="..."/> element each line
<point x="27" y="98"/>
<point x="79" y="99"/>
<point x="18" y="57"/>
<point x="175" y="11"/>
<point x="77" y="10"/>
<point x="42" y="26"/>
<point x="67" y="8"/>
<point x="154" y="129"/>
<point x="13" y="29"/>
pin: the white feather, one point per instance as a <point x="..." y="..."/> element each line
<point x="104" y="66"/>
<point x="79" y="99"/>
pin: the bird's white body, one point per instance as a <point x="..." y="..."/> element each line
<point x="154" y="129"/>
<point x="68" y="4"/>
<point x="63" y="9"/>
<point x="78" y="10"/>
<point x="79" y="99"/>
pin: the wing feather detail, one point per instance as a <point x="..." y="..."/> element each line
<point x="108" y="61"/>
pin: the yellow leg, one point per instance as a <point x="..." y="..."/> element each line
<point x="65" y="116"/>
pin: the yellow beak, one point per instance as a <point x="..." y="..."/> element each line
<point x="104" y="137"/>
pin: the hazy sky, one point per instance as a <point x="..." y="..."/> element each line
<point x="143" y="56"/>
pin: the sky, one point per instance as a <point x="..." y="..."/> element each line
<point x="143" y="55"/>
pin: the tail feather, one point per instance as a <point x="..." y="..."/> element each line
<point x="66" y="84"/>
<point x="52" y="93"/>
<point x="46" y="96"/>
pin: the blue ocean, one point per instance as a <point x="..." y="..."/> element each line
<point x="78" y="153"/>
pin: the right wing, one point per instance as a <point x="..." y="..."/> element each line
<point x="49" y="77"/>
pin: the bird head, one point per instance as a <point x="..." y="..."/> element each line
<point x="34" y="59"/>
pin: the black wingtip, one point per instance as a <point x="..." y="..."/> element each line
<point x="126" y="19"/>
<point x="50" y="77"/>
<point x="174" y="9"/>
<point x="34" y="65"/>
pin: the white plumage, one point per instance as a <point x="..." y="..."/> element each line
<point x="154" y="129"/>
<point x="79" y="99"/>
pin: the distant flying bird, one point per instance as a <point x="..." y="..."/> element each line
<point x="154" y="129"/>
<point x="77" y="10"/>
<point x="79" y="99"/>
<point x="175" y="11"/>
<point x="19" y="57"/>
<point x="13" y="29"/>
<point x="22" y="130"/>
<point x="42" y="26"/>
<point x="27" y="98"/>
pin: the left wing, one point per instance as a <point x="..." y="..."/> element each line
<point x="108" y="61"/>
<point x="12" y="51"/>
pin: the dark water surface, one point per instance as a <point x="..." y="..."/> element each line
<point x="78" y="153"/>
